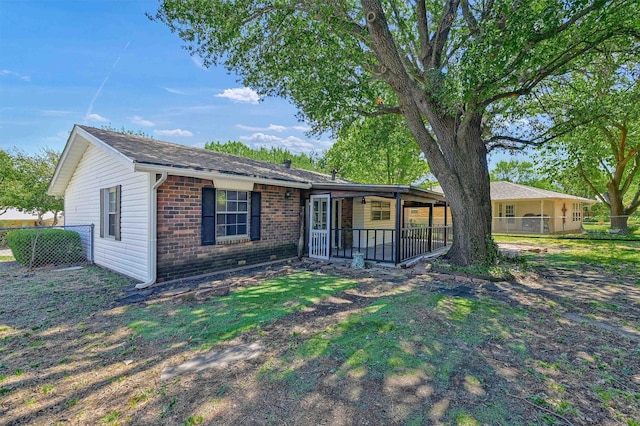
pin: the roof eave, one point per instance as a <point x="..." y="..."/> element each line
<point x="77" y="143"/>
<point x="210" y="175"/>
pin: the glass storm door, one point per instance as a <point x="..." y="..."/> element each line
<point x="319" y="232"/>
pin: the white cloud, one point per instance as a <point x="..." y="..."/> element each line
<point x="15" y="74"/>
<point x="271" y="127"/>
<point x="59" y="137"/>
<point x="240" y="94"/>
<point x="55" y="112"/>
<point x="173" y="132"/>
<point x="174" y="91"/>
<point x="96" y="117"/>
<point x="292" y="143"/>
<point x="301" y="128"/>
<point x="139" y="121"/>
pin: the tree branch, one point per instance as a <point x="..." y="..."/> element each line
<point x="423" y="32"/>
<point x="439" y="39"/>
<point x="590" y="184"/>
<point x="561" y="60"/>
<point x="471" y="21"/>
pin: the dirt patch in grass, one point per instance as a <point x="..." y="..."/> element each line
<point x="373" y="346"/>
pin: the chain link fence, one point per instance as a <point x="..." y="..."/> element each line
<point x="48" y="245"/>
<point x="543" y="224"/>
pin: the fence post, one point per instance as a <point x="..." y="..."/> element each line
<point x="93" y="226"/>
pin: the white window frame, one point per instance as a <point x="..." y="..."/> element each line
<point x="110" y="212"/>
<point x="577" y="212"/>
<point x="236" y="213"/>
<point x="510" y="213"/>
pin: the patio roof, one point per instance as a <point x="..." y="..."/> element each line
<point x="349" y="190"/>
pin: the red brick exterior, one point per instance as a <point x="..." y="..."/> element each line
<point x="180" y="252"/>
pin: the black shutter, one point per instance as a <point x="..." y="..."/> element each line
<point x="256" y="209"/>
<point x="208" y="216"/>
<point x="102" y="195"/>
<point x="118" y="204"/>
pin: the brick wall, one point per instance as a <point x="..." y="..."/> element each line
<point x="179" y="249"/>
<point x="347" y="221"/>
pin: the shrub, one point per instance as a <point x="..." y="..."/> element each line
<point x="52" y="246"/>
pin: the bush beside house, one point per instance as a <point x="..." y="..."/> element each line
<point x="38" y="247"/>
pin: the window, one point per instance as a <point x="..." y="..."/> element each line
<point x="380" y="210"/>
<point x="510" y="213"/>
<point x="577" y="212"/>
<point x="227" y="214"/>
<point x="110" y="212"/>
<point x="231" y="213"/>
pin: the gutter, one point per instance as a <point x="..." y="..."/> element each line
<point x="209" y="175"/>
<point x="153" y="232"/>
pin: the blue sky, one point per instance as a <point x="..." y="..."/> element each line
<point x="103" y="62"/>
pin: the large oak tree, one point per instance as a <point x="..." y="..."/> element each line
<point x="455" y="67"/>
<point x="603" y="146"/>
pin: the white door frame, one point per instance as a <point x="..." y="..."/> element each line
<point x="320" y="226"/>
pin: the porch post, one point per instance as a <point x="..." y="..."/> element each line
<point x="430" y="230"/>
<point x="542" y="216"/>
<point x="445" y="223"/>
<point x="398" y="227"/>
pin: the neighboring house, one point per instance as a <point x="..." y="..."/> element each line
<point x="14" y="218"/>
<point x="165" y="211"/>
<point x="520" y="208"/>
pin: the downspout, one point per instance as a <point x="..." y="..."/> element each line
<point x="153" y="232"/>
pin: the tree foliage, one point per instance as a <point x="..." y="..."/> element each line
<point x="275" y="155"/>
<point x="522" y="172"/>
<point x="603" y="148"/>
<point x="378" y="150"/>
<point x="25" y="181"/>
<point x="457" y="71"/>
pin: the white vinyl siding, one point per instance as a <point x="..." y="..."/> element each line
<point x="362" y="220"/>
<point x="97" y="170"/>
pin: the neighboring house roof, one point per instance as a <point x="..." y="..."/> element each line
<point x="513" y="191"/>
<point x="14" y="214"/>
<point x="147" y="154"/>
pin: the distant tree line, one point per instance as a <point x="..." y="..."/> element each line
<point x="24" y="180"/>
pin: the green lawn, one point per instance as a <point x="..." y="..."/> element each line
<point x="205" y="325"/>
<point x="613" y="255"/>
<point x="383" y="346"/>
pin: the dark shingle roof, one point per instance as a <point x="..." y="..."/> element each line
<point x="154" y="152"/>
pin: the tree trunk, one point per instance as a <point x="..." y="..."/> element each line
<point x="463" y="173"/>
<point x="618" y="217"/>
<point x="466" y="187"/>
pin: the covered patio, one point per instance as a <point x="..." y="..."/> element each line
<point x="385" y="223"/>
